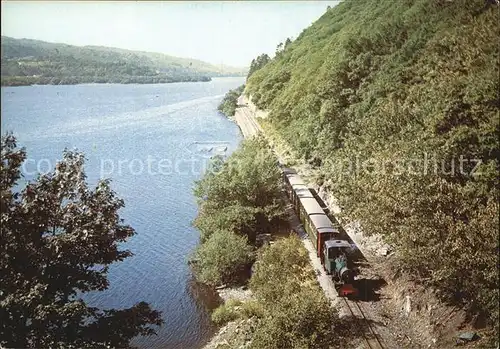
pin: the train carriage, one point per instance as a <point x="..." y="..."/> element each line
<point x="287" y="170"/>
<point x="308" y="206"/>
<point x="294" y="182"/>
<point x="316" y="223"/>
<point x="300" y="192"/>
<point x="323" y="235"/>
<point x="323" y="230"/>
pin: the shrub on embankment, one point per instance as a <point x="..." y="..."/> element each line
<point x="237" y="198"/>
<point x="290" y="309"/>
<point x="235" y="309"/>
<point x="229" y="103"/>
<point x="297" y="313"/>
<point x="397" y="103"/>
<point x="221" y="257"/>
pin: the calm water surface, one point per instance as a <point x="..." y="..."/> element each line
<point x="153" y="141"/>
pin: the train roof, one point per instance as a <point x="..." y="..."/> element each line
<point x="288" y="171"/>
<point x="311" y="206"/>
<point x="300" y="186"/>
<point x="337" y="243"/>
<point x="329" y="230"/>
<point x="321" y="221"/>
<point x="294" y="179"/>
<point x="302" y="191"/>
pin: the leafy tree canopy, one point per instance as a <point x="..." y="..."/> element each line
<point x="229" y="103"/>
<point x="258" y="63"/>
<point x="245" y="190"/>
<point x="58" y="239"/>
<point x="296" y="311"/>
<point x="219" y="259"/>
<point x="238" y="198"/>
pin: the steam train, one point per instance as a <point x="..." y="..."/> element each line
<point x="330" y="248"/>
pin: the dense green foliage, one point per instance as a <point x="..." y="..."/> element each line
<point x="241" y="195"/>
<point x="258" y="63"/>
<point x="296" y="311"/>
<point x="229" y="103"/>
<point x="281" y="269"/>
<point x="386" y="98"/>
<point x="27" y="62"/>
<point x="221" y="257"/>
<point x="58" y="239"/>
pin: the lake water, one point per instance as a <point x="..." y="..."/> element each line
<point x="153" y="141"/>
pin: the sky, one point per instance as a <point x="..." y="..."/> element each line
<point x="231" y="33"/>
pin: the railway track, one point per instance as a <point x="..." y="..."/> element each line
<point x="251" y="126"/>
<point x="254" y="123"/>
<point x="370" y="337"/>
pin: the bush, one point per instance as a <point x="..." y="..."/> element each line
<point x="226" y="312"/>
<point x="296" y="312"/>
<point x="235" y="218"/>
<point x="281" y="269"/>
<point x="242" y="194"/>
<point x="221" y="258"/>
<point x="252" y="308"/>
<point x="229" y="103"/>
<point x="300" y="320"/>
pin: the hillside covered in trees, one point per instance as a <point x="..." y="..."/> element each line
<point x="26" y="62"/>
<point x="396" y="103"/>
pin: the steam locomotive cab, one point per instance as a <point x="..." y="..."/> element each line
<point x="336" y="263"/>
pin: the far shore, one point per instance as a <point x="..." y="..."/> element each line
<point x="202" y="79"/>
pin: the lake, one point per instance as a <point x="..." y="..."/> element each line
<point x="153" y="141"/>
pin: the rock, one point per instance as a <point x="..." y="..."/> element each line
<point x="223" y="343"/>
<point x="467" y="337"/>
<point x="239" y="293"/>
<point x="384" y="251"/>
<point x="407" y="306"/>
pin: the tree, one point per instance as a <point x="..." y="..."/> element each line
<point x="280" y="269"/>
<point x="58" y="239"/>
<point x="258" y="63"/>
<point x="219" y="259"/>
<point x="279" y="49"/>
<point x="229" y="103"/>
<point x="244" y="191"/>
<point x="300" y="320"/>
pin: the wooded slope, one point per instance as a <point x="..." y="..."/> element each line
<point x="397" y="103"/>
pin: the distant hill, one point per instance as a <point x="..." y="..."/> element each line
<point x="26" y="62"/>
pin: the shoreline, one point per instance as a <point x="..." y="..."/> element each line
<point x="104" y="83"/>
<point x="210" y="79"/>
